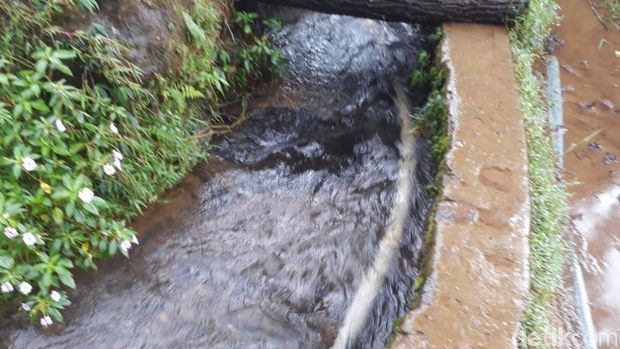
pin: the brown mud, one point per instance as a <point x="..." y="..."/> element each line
<point x="591" y="90"/>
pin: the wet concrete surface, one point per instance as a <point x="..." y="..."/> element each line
<point x="266" y="245"/>
<point x="479" y="282"/>
<point x="591" y="90"/>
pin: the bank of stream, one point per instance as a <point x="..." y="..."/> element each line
<point x="274" y="241"/>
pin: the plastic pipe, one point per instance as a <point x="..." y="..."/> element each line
<point x="556" y="121"/>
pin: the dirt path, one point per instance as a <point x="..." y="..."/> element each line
<point x="591" y="82"/>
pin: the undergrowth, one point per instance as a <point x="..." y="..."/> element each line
<point x="547" y="194"/>
<point x="86" y="143"/>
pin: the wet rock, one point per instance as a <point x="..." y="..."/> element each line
<point x="152" y="30"/>
<point x="609" y="105"/>
<point x="594" y="146"/>
<point x="570" y="69"/>
<point x="609" y="159"/>
<point x="349" y="69"/>
<point x="552" y="42"/>
<point x="568" y="88"/>
<point x="587" y="107"/>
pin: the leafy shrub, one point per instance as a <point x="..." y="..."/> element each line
<point x="245" y="65"/>
<point x="85" y="144"/>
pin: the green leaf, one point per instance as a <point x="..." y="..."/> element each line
<point x="67" y="279"/>
<point x="55" y="314"/>
<point x="41" y="66"/>
<point x="46" y="281"/>
<point x="61" y="194"/>
<point x="64" y="54"/>
<point x="57" y="215"/>
<point x="63" y="69"/>
<point x="76" y="148"/>
<point x="40" y="106"/>
<point x="70" y="208"/>
<point x="61" y="149"/>
<point x="194" y="29"/>
<point x="6" y="262"/>
<point x="91" y="208"/>
<point x="112" y="247"/>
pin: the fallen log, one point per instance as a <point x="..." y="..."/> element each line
<point x="418" y="11"/>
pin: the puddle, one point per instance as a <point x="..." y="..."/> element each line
<point x="591" y="79"/>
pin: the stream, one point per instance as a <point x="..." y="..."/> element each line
<point x="303" y="230"/>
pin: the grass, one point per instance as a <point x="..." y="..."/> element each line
<point x="548" y="195"/>
<point x="614" y="7"/>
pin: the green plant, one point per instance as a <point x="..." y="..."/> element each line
<point x="548" y="195"/>
<point x="86" y="144"/>
<point x="430" y="120"/>
<point x="247" y="66"/>
<point x="51" y="6"/>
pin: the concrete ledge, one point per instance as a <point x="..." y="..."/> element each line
<point x="478" y="287"/>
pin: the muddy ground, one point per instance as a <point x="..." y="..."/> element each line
<point x="591" y="89"/>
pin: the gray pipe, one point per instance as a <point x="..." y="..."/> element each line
<point x="556" y="122"/>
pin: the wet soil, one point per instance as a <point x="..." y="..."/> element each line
<point x="591" y="83"/>
<point x="266" y="245"/>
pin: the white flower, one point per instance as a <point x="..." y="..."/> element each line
<point x="109" y="169"/>
<point x="25" y="288"/>
<point x="125" y="246"/>
<point x="29" y="239"/>
<point x="86" y="195"/>
<point x="10" y="232"/>
<point x="60" y="126"/>
<point x="134" y="240"/>
<point x="6" y="287"/>
<point x="117" y="155"/>
<point x="25" y="307"/>
<point x="55" y="296"/>
<point x="29" y="164"/>
<point x="113" y="128"/>
<point x="46" y="321"/>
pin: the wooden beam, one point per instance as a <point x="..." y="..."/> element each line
<point x="418" y="11"/>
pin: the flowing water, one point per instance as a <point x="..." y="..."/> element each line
<point x="303" y="230"/>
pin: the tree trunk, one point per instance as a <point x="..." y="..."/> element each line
<point x="418" y="11"/>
